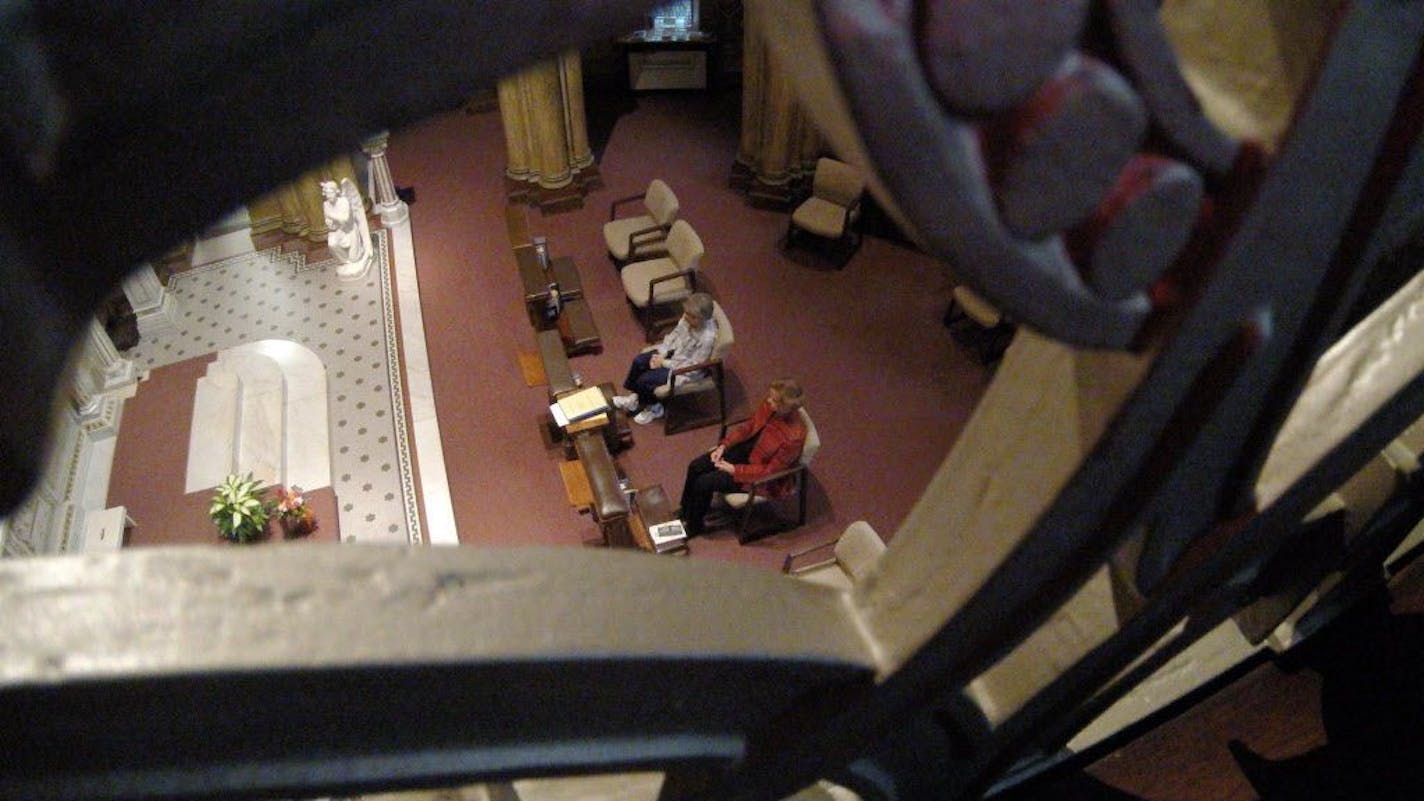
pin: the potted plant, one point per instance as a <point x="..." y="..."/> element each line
<point x="239" y="510"/>
<point x="296" y="517"/>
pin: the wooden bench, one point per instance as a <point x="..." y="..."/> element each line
<point x="516" y="222"/>
<point x="555" y="359"/>
<point x="609" y="506"/>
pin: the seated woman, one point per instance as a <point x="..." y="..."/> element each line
<point x="770" y="441"/>
<point x="687" y="343"/>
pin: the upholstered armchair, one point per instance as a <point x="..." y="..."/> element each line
<point x="842" y="561"/>
<point x="686" y="389"/>
<point x="744" y="503"/>
<point x="833" y="208"/>
<point x="654" y="283"/>
<point x="641" y="236"/>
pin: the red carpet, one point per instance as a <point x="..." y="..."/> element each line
<point x="887" y="388"/>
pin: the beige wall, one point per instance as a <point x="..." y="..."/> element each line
<point x="1248" y="60"/>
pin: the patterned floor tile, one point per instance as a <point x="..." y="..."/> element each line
<point x="351" y="327"/>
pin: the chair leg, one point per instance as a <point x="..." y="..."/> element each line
<point x="801" y="503"/>
<point x="744" y="534"/>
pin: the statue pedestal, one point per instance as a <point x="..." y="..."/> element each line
<point x="354" y="270"/>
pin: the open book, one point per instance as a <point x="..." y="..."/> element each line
<point x="667" y="536"/>
<point x="576" y="406"/>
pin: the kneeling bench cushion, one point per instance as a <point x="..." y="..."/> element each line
<point x="608" y="500"/>
<point x="556" y="363"/>
<point x="577" y="328"/>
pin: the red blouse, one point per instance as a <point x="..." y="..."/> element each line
<point x="778" y="447"/>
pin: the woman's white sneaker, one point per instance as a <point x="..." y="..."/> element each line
<point x="649" y="414"/>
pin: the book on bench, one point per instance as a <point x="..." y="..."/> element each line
<point x="667" y="536"/>
<point x="579" y="405"/>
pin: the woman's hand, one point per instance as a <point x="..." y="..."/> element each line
<point x="716" y="453"/>
<point x="656" y="361"/>
<point x="725" y="467"/>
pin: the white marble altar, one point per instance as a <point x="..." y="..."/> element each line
<point x="261" y="409"/>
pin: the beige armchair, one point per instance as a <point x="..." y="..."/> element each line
<point x="745" y="502"/>
<point x="642" y="236"/>
<point x="658" y="282"/>
<point x="685" y="387"/>
<point x="833" y="208"/>
<point x="845" y="559"/>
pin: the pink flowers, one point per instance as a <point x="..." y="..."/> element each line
<point x="296" y="517"/>
<point x="291" y="504"/>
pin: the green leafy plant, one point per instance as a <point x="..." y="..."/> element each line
<point x="239" y="510"/>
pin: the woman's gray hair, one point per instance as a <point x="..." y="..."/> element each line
<point x="699" y="305"/>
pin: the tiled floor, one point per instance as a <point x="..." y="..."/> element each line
<point x="351" y="327"/>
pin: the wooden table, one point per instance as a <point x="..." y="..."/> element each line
<point x="652" y="62"/>
<point x="575" y="323"/>
<point x="536" y="281"/>
<point x="616" y="423"/>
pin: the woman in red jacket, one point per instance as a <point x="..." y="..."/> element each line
<point x="770" y="441"/>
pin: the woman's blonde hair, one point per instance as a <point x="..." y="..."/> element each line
<point x="789" y="391"/>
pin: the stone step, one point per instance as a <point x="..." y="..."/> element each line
<point x="306" y="447"/>
<point x="212" y="439"/>
<point x="261" y="422"/>
<point x="261" y="409"/>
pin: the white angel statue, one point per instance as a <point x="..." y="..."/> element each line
<point x="348" y="232"/>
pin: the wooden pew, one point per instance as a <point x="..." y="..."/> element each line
<point x="610" y="506"/>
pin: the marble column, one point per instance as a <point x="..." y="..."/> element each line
<point x="294" y="208"/>
<point x="779" y="143"/>
<point x="393" y="210"/>
<point x="544" y="92"/>
<point x="550" y="162"/>
<point x="519" y="164"/>
<point x="575" y="117"/>
<point x="152" y="304"/>
<point x="98" y="368"/>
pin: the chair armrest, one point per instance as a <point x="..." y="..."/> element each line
<point x="780" y="474"/>
<point x="656" y="229"/>
<point x="690" y="275"/>
<point x="852" y="212"/>
<point x="714" y="365"/>
<point x="797" y="554"/>
<point x="613" y="207"/>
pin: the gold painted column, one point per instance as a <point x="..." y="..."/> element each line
<point x="576" y="119"/>
<point x="294" y="208"/>
<point x="546" y="134"/>
<point x="779" y="143"/>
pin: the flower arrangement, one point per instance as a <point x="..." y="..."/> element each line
<point x="239" y="510"/>
<point x="292" y="510"/>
